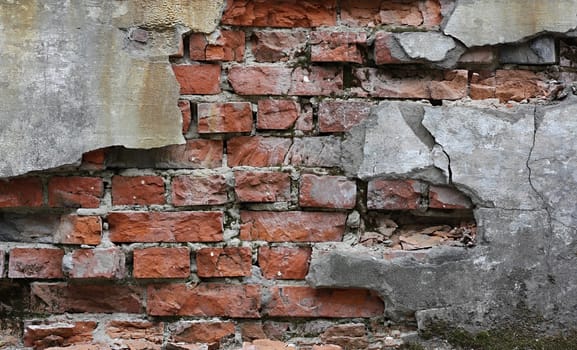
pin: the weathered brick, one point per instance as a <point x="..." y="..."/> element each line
<point x="337" y="46"/>
<point x="42" y="335"/>
<point x="277" y="114"/>
<point x="160" y="262"/>
<point x="305" y="121"/>
<point x="43" y="263"/>
<point x="21" y="192"/>
<point x="441" y="197"/>
<point x="251" y="331"/>
<point x="223" y="45"/>
<point x="261" y="186"/>
<point x="479" y="55"/>
<point x="205" y="299"/>
<point x="285" y="13"/>
<point x="137" y="190"/>
<point x="75" y="191"/>
<point x="453" y="86"/>
<point x="257" y="151"/>
<point x="198" y="79"/>
<point x="340" y="116"/>
<point x="296" y="301"/>
<point x="276" y="46"/>
<point x="166" y="226"/>
<point x="139" y="334"/>
<point x="74" y="298"/>
<point x="394" y="194"/>
<point x="202" y="332"/>
<point x="224" y="262"/>
<point x="94" y="160"/>
<point x="417" y="13"/>
<point x="184" y="106"/>
<point x="292" y="226"/>
<point x="348" y="336"/>
<point x="327" y="192"/>
<point x="74" y="229"/>
<point x="284" y="263"/>
<point x="385" y="43"/>
<point x="224" y="117"/>
<point x="316" y="81"/>
<point x="322" y="151"/>
<point x="104" y="263"/>
<point x="518" y="85"/>
<point x="260" y="80"/>
<point x="199" y="190"/>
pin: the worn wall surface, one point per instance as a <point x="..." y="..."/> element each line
<point x="329" y="174"/>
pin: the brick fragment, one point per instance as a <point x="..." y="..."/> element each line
<point x="198" y="79"/>
<point x="137" y="334"/>
<point x="269" y="186"/>
<point x="453" y="86"/>
<point x="21" y="192"/>
<point x="41" y="335"/>
<point x="416" y="13"/>
<point x="74" y="298"/>
<point x="160" y="262"/>
<point x="394" y="194"/>
<point x="316" y="81"/>
<point x="199" y="190"/>
<point x="327" y="192"/>
<point x="137" y="190"/>
<point x="340" y="116"/>
<point x="181" y="226"/>
<point x="223" y="45"/>
<point x="204" y="300"/>
<point x="518" y="85"/>
<point x="102" y="263"/>
<point x="224" y="117"/>
<point x="337" y="46"/>
<point x="74" y="229"/>
<point x="94" y="160"/>
<point x="385" y="44"/>
<point x="296" y="301"/>
<point x="276" y="46"/>
<point x="286" y="13"/>
<point x="224" y="262"/>
<point x="284" y="263"/>
<point x="347" y="336"/>
<point x="75" y="191"/>
<point x="251" y="331"/>
<point x="441" y="197"/>
<point x="292" y="226"/>
<point x="184" y="106"/>
<point x="45" y="263"/>
<point x="258" y="151"/>
<point x="202" y="332"/>
<point x="277" y="114"/>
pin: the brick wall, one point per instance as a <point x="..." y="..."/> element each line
<point x="209" y="242"/>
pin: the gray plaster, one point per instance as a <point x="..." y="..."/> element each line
<point x="538" y="51"/>
<point x="430" y="46"/>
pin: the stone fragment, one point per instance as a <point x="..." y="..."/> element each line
<point x="327" y="192"/>
<point x="479" y="23"/>
<point x="252" y="186"/>
<point x="292" y="226"/>
<point x="199" y="190"/>
<point x="538" y="51"/>
<point x="224" y="117"/>
<point x="40" y="263"/>
<point x="224" y="262"/>
<point x="161" y="262"/>
<point x="284" y="263"/>
<point x="206" y="300"/>
<point x="429" y="46"/>
<point x="277" y="46"/>
<point x="102" y="263"/>
<point x="277" y="114"/>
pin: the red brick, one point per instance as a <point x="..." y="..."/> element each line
<point x="340" y="116"/>
<point x="284" y="263"/>
<point x="441" y="197"/>
<point x="94" y="160"/>
<point x="260" y="80"/>
<point x="198" y="79"/>
<point x="181" y="226"/>
<point x="184" y="106"/>
<point x="204" y="300"/>
<point x="199" y="190"/>
<point x="62" y="297"/>
<point x="277" y="114"/>
<point x="518" y="85"/>
<point x="202" y="332"/>
<point x="74" y="229"/>
<point x="21" y="192"/>
<point x="316" y="81"/>
<point x="384" y="43"/>
<point x="35" y="263"/>
<point x="137" y="190"/>
<point x="104" y="263"/>
<point x="269" y="186"/>
<point x="224" y="262"/>
<point x="452" y="87"/>
<point x="293" y="301"/>
<point x="418" y="13"/>
<point x="292" y="226"/>
<point x="150" y="334"/>
<point x="337" y="46"/>
<point x="275" y="46"/>
<point x="224" y="45"/>
<point x="41" y="335"/>
<point x="394" y="194"/>
<point x="284" y="13"/>
<point x="327" y="192"/>
<point x="257" y="151"/>
<point x="224" y="117"/>
<point x="251" y="331"/>
<point x="75" y="191"/>
<point x="195" y="154"/>
<point x="160" y="262"/>
<point x="347" y="336"/>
